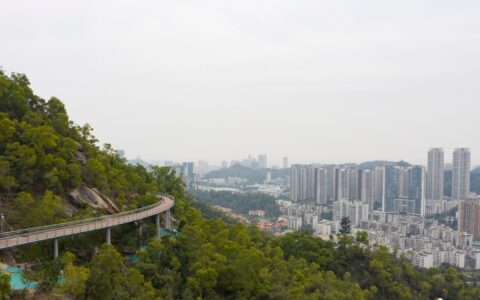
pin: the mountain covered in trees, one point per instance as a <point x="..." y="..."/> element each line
<point x="379" y="163"/>
<point x="251" y="175"/>
<point x="44" y="157"/>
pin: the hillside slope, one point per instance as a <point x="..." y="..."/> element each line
<point x="252" y="175"/>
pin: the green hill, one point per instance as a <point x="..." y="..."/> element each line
<point x="378" y="163"/>
<point x="252" y="175"/>
<point x="45" y="158"/>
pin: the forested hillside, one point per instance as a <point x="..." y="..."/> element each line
<point x="379" y="163"/>
<point x="239" y="202"/>
<point x="44" y="157"/>
<point x="252" y="175"/>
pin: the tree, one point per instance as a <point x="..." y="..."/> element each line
<point x="109" y="279"/>
<point x="345" y="226"/>
<point x="75" y="278"/>
<point x="135" y="286"/>
<point x="47" y="273"/>
<point x="105" y="273"/>
<point x="362" y="237"/>
<point x="5" y="288"/>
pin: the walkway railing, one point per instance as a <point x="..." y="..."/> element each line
<point x="36" y="234"/>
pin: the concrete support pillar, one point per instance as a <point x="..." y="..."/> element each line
<point x="167" y="219"/>
<point x="157" y="222"/>
<point x="55" y="248"/>
<point x="108" y="236"/>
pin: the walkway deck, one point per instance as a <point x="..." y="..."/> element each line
<point x="36" y="234"/>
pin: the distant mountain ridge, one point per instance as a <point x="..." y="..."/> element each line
<point x="378" y="163"/>
<point x="252" y="175"/>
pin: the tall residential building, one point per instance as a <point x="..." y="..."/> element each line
<point x="321" y="186"/>
<point x="308" y="183"/>
<point x="356" y="211"/>
<point x="354" y="180"/>
<point x="391" y="186"/>
<point x="342" y="187"/>
<point x="402" y="174"/>
<point x="262" y="161"/>
<point x="311" y="182"/>
<point x="378" y="187"/>
<point x="285" y="162"/>
<point x="404" y="190"/>
<point x="435" y="173"/>
<point x="347" y="183"/>
<point x="469" y="217"/>
<point x="461" y="174"/>
<point x="298" y="183"/>
<point x="187" y="174"/>
<point x="367" y="187"/>
<point x="416" y="190"/>
<point x="331" y="182"/>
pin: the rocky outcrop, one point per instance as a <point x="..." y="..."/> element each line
<point x="85" y="196"/>
<point x="79" y="156"/>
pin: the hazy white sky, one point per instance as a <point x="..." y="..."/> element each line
<point x="317" y="81"/>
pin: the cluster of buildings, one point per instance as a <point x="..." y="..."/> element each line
<point x="425" y="242"/>
<point x="260" y="162"/>
<point x="301" y="214"/>
<point x="392" y="202"/>
<point x="250" y="162"/>
<point x="389" y="188"/>
<point x="255" y="163"/>
<point x="251" y="182"/>
<point x="185" y="171"/>
<point x="231" y="214"/>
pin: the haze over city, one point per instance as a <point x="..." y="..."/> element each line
<point x="314" y="81"/>
<point x="239" y="149"/>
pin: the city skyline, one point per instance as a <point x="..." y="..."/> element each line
<point x="433" y="160"/>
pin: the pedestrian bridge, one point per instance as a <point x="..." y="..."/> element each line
<point x="36" y="234"/>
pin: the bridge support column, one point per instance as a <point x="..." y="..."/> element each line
<point x="167" y="219"/>
<point x="157" y="222"/>
<point x="55" y="248"/>
<point x="108" y="236"/>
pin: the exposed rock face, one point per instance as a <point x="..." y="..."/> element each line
<point x="79" y="156"/>
<point x="85" y="196"/>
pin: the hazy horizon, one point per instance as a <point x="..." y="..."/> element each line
<point x="311" y="80"/>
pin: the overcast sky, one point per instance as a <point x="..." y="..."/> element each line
<point x="317" y="81"/>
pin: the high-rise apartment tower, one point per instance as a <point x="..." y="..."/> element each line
<point x="461" y="174"/>
<point x="435" y="171"/>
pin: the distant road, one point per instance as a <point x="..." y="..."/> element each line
<point x="37" y="234"/>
